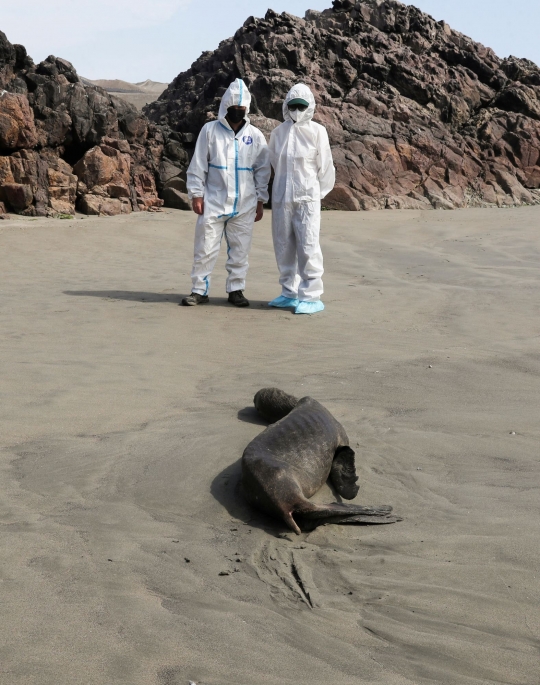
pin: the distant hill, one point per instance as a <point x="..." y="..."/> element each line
<point x="151" y="86"/>
<point x="138" y="94"/>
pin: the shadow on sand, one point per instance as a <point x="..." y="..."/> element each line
<point x="137" y="296"/>
<point x="250" y="415"/>
<point x="227" y="490"/>
<point x="132" y="296"/>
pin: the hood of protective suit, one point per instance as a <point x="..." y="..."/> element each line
<point x="300" y="90"/>
<point x="236" y="94"/>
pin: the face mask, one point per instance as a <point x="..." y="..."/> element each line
<point x="235" y="115"/>
<point x="297" y="116"/>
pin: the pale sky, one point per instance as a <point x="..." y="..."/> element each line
<point x="139" y="39"/>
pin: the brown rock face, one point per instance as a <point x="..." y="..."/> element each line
<point x="50" y="121"/>
<point x="419" y="115"/>
<point x="104" y="206"/>
<point x="103" y="165"/>
<point x="17" y="195"/>
<point x="62" y="186"/>
<point x="104" y="173"/>
<point x="17" y="128"/>
<point x="49" y="183"/>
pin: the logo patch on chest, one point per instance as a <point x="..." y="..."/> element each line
<point x="248" y="140"/>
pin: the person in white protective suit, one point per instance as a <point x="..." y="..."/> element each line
<point x="227" y="181"/>
<point x="304" y="173"/>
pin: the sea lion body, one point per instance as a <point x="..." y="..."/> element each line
<point x="290" y="461"/>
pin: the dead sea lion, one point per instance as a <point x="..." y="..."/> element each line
<point x="290" y="461"/>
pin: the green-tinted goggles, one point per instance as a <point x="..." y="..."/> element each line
<point x="300" y="108"/>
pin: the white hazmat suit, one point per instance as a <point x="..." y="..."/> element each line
<point x="231" y="172"/>
<point x="304" y="173"/>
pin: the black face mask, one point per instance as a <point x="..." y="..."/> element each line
<point x="235" y="115"/>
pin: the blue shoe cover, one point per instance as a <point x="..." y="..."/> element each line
<point x="309" y="307"/>
<point x="283" y="302"/>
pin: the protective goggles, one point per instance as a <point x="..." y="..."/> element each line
<point x="300" y="108"/>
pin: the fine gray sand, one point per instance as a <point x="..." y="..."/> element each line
<point x="124" y="416"/>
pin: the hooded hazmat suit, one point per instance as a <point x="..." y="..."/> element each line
<point x="304" y="173"/>
<point x="231" y="172"/>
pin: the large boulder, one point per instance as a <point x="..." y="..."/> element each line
<point x="104" y="175"/>
<point x="419" y="115"/>
<point x="35" y="183"/>
<point x="17" y="128"/>
<point x="176" y="199"/>
<point x="18" y="195"/>
<point x="103" y="206"/>
<point x="104" y="165"/>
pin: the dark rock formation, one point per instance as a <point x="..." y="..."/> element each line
<point x="419" y="115"/>
<point x="63" y="143"/>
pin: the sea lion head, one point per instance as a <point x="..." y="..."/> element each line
<point x="273" y="404"/>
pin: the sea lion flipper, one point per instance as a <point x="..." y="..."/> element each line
<point x="311" y="524"/>
<point x="310" y="515"/>
<point x="310" y="510"/>
<point x="305" y="510"/>
<point x="343" y="473"/>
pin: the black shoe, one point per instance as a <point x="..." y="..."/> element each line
<point x="194" y="299"/>
<point x="237" y="298"/>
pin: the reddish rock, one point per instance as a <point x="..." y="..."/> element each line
<point x="17" y="195"/>
<point x="49" y="184"/>
<point x="118" y="189"/>
<point x="342" y="198"/>
<point x="103" y="206"/>
<point x="121" y="145"/>
<point x="17" y="128"/>
<point x="103" y="165"/>
<point x="145" y="189"/>
<point x="62" y="187"/>
<point x="6" y="175"/>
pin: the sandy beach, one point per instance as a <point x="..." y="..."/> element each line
<point x="127" y="555"/>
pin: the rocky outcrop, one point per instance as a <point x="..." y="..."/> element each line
<point x="17" y="127"/>
<point x="67" y="145"/>
<point x="419" y="115"/>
